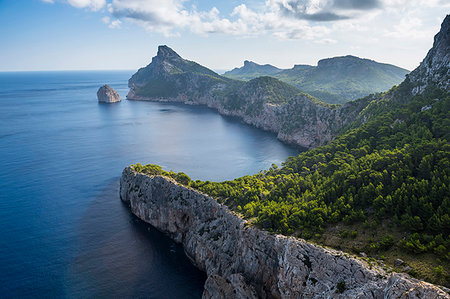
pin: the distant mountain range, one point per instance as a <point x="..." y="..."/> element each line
<point x="334" y="80"/>
<point x="252" y="70"/>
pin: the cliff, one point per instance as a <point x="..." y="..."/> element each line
<point x="434" y="69"/>
<point x="244" y="262"/>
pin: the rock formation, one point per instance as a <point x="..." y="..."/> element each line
<point x="244" y="262"/>
<point x="106" y="94"/>
<point x="435" y="68"/>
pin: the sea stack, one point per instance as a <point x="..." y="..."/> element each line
<point x="106" y="94"/>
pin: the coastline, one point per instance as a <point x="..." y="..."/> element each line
<point x="318" y="128"/>
<point x="247" y="261"/>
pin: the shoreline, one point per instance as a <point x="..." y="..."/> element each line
<point x="241" y="258"/>
<point x="225" y="113"/>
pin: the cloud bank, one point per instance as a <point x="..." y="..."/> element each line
<point x="284" y="19"/>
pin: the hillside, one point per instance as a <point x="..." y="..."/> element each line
<point x="334" y="80"/>
<point x="381" y="189"/>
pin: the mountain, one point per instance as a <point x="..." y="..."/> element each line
<point x="340" y="79"/>
<point x="264" y="102"/>
<point x="334" y="80"/>
<point x="252" y="70"/>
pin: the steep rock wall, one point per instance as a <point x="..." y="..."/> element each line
<point x="244" y="262"/>
<point x="300" y="121"/>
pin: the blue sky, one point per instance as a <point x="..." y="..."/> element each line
<point x="124" y="34"/>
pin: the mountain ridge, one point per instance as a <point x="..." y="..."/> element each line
<point x="334" y="80"/>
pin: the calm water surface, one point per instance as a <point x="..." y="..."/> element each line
<point x="63" y="230"/>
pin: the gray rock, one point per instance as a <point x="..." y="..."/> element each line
<point x="402" y="286"/>
<point x="241" y="260"/>
<point x="106" y="94"/>
<point x="235" y="287"/>
<point x="398" y="262"/>
<point x="434" y="69"/>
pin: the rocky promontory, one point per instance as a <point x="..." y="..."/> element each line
<point x="107" y="94"/>
<point x="264" y="102"/>
<point x="242" y="261"/>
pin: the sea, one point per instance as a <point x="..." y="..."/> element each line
<point x="64" y="233"/>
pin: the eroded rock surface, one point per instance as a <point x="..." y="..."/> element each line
<point x="244" y="262"/>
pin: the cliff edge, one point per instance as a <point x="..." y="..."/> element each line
<point x="244" y="262"/>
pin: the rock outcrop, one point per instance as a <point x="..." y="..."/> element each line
<point x="244" y="262"/>
<point x="435" y="68"/>
<point x="107" y="94"/>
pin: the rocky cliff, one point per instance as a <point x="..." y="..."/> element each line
<point x="244" y="262"/>
<point x="435" y="68"/>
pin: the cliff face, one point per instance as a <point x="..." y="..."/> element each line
<point x="434" y="69"/>
<point x="245" y="262"/>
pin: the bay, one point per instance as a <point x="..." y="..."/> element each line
<point x="63" y="231"/>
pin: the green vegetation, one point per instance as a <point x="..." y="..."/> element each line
<point x="158" y="87"/>
<point x="335" y="80"/>
<point x="387" y="178"/>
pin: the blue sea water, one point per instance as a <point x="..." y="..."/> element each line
<point x="64" y="232"/>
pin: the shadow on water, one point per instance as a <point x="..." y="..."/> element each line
<point x="131" y="255"/>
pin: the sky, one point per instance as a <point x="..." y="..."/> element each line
<point x="125" y="34"/>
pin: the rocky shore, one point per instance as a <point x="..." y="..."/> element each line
<point x="242" y="261"/>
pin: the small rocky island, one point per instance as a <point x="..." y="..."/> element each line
<point x="106" y="94"/>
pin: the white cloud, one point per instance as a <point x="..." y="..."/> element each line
<point x="319" y="20"/>
<point x="409" y="28"/>
<point x="115" y="24"/>
<point x="48" y="1"/>
<point x="106" y="19"/>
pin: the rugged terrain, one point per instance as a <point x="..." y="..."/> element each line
<point x="244" y="262"/>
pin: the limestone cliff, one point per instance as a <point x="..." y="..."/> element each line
<point x="435" y="68"/>
<point x="244" y="262"/>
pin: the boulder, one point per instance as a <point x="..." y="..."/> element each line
<point x="106" y="94"/>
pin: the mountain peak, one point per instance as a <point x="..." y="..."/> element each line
<point x="249" y="63"/>
<point x="434" y="68"/>
<point x="166" y="52"/>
